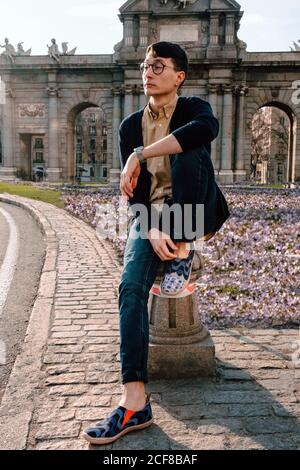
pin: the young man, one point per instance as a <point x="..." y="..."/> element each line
<point x="165" y="151"/>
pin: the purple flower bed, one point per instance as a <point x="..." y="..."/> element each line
<point x="256" y="281"/>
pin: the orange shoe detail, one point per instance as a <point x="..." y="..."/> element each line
<point x="155" y="291"/>
<point x="191" y="287"/>
<point x="128" y="414"/>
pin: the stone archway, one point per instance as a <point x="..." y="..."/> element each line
<point x="253" y="107"/>
<point x="291" y="154"/>
<point x="71" y="143"/>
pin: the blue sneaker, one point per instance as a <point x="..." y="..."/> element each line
<point x="177" y="275"/>
<point x="119" y="422"/>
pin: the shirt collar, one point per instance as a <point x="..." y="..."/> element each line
<point x="165" y="111"/>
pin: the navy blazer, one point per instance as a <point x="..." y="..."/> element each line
<point x="194" y="126"/>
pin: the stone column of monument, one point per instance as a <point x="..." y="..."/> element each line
<point x="144" y="31"/>
<point x="53" y="171"/>
<point x="143" y="99"/>
<point x="114" y="174"/>
<point x="229" y="30"/>
<point x="294" y="162"/>
<point x="7" y="171"/>
<point x="240" y="172"/>
<point x="201" y="90"/>
<point x="128" y="100"/>
<point x="213" y="98"/>
<point x="213" y="48"/>
<point x="136" y="97"/>
<point x="214" y="30"/>
<point x="128" y="31"/>
<point x="226" y="173"/>
<point x="143" y="43"/>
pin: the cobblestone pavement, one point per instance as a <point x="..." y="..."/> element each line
<point x="68" y="374"/>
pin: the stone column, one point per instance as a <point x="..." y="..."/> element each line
<point x="144" y="31"/>
<point x="2" y="92"/>
<point x="128" y="31"/>
<point x="128" y="103"/>
<point x="53" y="170"/>
<point x="114" y="175"/>
<point x="240" y="172"/>
<point x="136" y="90"/>
<point x="143" y="99"/>
<point x="8" y="169"/>
<point x="293" y="170"/>
<point x="214" y="30"/>
<point x="226" y="173"/>
<point x="213" y="97"/>
<point x="229" y="28"/>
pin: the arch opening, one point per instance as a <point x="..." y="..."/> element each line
<point x="87" y="144"/>
<point x="272" y="156"/>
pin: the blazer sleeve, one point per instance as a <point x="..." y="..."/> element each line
<point x="124" y="145"/>
<point x="202" y="128"/>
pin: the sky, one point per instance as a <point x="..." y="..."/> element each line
<point x="94" y="27"/>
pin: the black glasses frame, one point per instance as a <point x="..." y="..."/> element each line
<point x="145" y="66"/>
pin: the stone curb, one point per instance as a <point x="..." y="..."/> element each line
<point x="18" y="401"/>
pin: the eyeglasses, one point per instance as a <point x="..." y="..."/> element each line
<point x="157" y="67"/>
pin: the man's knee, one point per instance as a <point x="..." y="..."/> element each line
<point x="131" y="287"/>
<point x="192" y="169"/>
<point x="188" y="156"/>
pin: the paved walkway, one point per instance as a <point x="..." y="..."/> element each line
<point x="68" y="373"/>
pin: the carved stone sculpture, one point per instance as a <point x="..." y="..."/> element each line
<point x="64" y="46"/>
<point x="55" y="53"/>
<point x="242" y="44"/>
<point x="21" y="51"/>
<point x="31" y="110"/>
<point x="10" y="51"/>
<point x="53" y="50"/>
<point x="296" y="46"/>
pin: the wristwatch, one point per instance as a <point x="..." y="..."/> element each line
<point x="139" y="153"/>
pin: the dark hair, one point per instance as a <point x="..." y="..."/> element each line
<point x="169" y="50"/>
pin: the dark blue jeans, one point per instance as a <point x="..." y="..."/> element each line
<point x="192" y="174"/>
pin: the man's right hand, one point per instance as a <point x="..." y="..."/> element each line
<point x="161" y="242"/>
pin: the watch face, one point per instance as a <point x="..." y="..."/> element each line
<point x="138" y="152"/>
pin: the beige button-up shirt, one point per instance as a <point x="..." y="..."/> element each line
<point x="156" y="127"/>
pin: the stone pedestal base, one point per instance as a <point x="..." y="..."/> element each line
<point x="53" y="174"/>
<point x="114" y="177"/>
<point x="7" y="174"/>
<point x="171" y="361"/>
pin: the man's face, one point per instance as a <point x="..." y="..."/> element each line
<point x="163" y="83"/>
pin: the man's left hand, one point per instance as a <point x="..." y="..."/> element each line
<point x="129" y="176"/>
